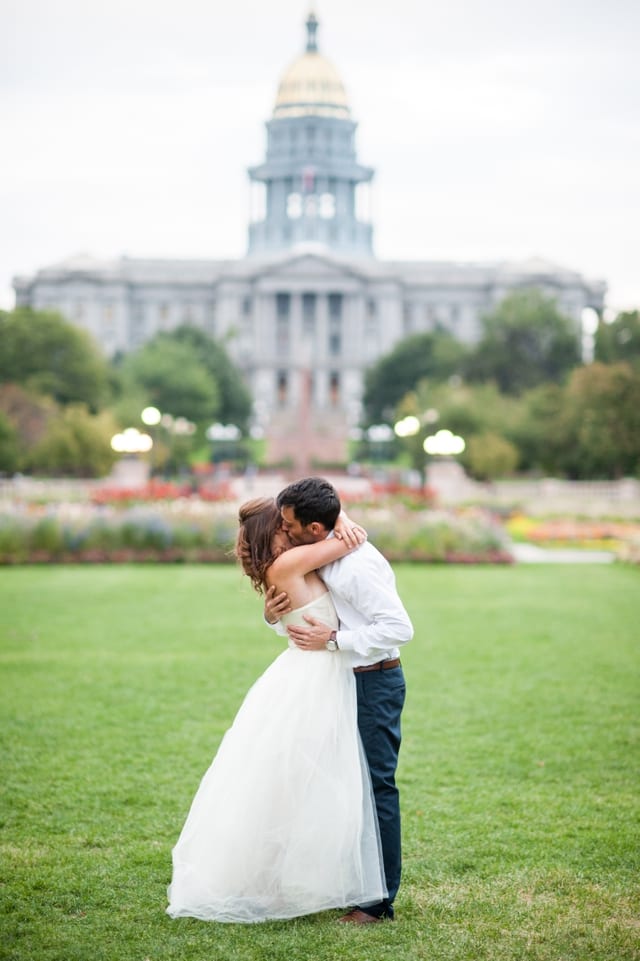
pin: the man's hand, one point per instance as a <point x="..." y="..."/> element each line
<point x="275" y="605"/>
<point x="312" y="638"/>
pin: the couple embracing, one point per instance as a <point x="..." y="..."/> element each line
<point x="299" y="811"/>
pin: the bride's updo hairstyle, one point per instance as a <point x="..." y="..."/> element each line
<point x="259" y="520"/>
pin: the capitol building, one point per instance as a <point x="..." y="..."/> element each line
<point x="309" y="307"/>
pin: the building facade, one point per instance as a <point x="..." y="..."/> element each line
<point x="309" y="308"/>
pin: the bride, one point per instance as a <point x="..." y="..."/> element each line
<point x="283" y="823"/>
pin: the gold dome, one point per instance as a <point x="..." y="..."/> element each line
<point x="311" y="86"/>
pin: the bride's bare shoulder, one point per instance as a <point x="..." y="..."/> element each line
<point x="288" y="561"/>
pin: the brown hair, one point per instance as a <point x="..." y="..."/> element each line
<point x="259" y="520"/>
<point x="312" y="499"/>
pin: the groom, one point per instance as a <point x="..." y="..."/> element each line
<point x="373" y="624"/>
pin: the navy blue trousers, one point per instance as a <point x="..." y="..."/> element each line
<point x="380" y="701"/>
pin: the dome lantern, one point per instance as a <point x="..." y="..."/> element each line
<point x="312" y="26"/>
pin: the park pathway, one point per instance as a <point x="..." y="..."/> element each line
<point x="532" y="554"/>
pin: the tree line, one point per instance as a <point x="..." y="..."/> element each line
<point x="521" y="396"/>
<point x="61" y="400"/>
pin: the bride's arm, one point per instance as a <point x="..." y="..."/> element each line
<point x="347" y="530"/>
<point x="308" y="557"/>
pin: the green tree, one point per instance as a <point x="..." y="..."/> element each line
<point x="235" y="399"/>
<point x="526" y="341"/>
<point x="602" y="418"/>
<point x="489" y="456"/>
<point x="619" y="340"/>
<point x="9" y="446"/>
<point x="28" y="413"/>
<point x="173" y="377"/>
<point x="542" y="432"/>
<point x="435" y="355"/>
<point x="47" y="355"/>
<point x="130" y="400"/>
<point x="465" y="409"/>
<point x="77" y="444"/>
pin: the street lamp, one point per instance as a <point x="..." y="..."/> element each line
<point x="175" y="427"/>
<point x="151" y="416"/>
<point x="407" y="427"/>
<point x="223" y="432"/>
<point x="444" y="443"/>
<point x="131" y="441"/>
<point x="226" y="436"/>
<point x="178" y="429"/>
<point x="445" y="474"/>
<point x="410" y="425"/>
<point x="183" y="427"/>
<point x="378" y="435"/>
<point x="410" y="429"/>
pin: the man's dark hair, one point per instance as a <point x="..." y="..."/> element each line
<point x="312" y="499"/>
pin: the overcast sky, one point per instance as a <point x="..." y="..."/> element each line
<point x="501" y="129"/>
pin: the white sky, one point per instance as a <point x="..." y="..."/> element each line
<point x="499" y="129"/>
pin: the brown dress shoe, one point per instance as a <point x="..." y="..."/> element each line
<point x="358" y="917"/>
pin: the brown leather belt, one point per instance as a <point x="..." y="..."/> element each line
<point x="379" y="666"/>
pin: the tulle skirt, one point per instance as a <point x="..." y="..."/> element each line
<point x="283" y="823"/>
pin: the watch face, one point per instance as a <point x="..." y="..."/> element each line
<point x="332" y="645"/>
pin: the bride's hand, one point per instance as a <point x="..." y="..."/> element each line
<point x="348" y="531"/>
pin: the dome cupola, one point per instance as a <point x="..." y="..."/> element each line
<point x="310" y="188"/>
<point x="311" y="86"/>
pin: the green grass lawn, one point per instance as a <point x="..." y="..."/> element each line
<point x="519" y="767"/>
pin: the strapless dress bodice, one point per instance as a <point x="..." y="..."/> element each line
<point x="321" y="608"/>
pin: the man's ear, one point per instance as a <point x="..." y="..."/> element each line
<point x="318" y="529"/>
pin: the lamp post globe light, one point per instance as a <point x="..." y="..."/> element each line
<point x="222" y="432"/>
<point x="443" y="472"/>
<point x="131" y="441"/>
<point x="410" y="425"/>
<point x="151" y="416"/>
<point x="224" y="439"/>
<point x="444" y="443"/>
<point x="407" y="427"/>
<point x="177" y="430"/>
<point x="183" y="427"/>
<point x="378" y="437"/>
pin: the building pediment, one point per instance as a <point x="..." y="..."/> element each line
<point x="313" y="266"/>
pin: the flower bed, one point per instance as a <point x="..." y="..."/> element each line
<point x="191" y="529"/>
<point x="629" y="551"/>
<point x="568" y="532"/>
<point x="437" y="536"/>
<point x="157" y="490"/>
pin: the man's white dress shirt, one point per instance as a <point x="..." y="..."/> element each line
<point x="373" y="620"/>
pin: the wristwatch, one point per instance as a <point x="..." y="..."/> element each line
<point x="332" y="643"/>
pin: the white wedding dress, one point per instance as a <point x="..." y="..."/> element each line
<point x="283" y="823"/>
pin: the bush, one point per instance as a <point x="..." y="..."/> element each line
<point x="48" y="535"/>
<point x="14" y="545"/>
<point x="489" y="456"/>
<point x="76" y="444"/>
